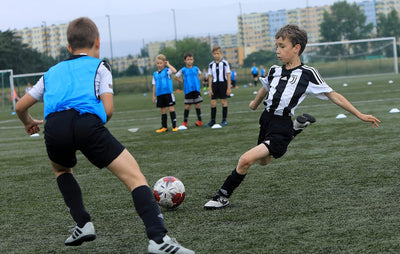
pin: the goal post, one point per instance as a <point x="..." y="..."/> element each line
<point x="8" y="86"/>
<point x="353" y="57"/>
<point x="5" y="86"/>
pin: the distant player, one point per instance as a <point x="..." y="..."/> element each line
<point x="285" y="87"/>
<point x="163" y="94"/>
<point x="254" y="73"/>
<point x="78" y="101"/>
<point x="233" y="77"/>
<point x="219" y="80"/>
<point x="191" y="86"/>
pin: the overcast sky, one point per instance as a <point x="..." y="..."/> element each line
<point x="135" y="23"/>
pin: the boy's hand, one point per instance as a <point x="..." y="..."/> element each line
<point x="370" y="118"/>
<point x="253" y="105"/>
<point x="33" y="127"/>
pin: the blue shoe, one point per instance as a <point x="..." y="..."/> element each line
<point x="224" y="123"/>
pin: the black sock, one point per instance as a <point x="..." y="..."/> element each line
<point x="231" y="183"/>
<point x="213" y="114"/>
<point x="198" y="112"/>
<point x="148" y="210"/>
<point x="164" y="120"/>
<point x="173" y="118"/>
<point x="224" y="113"/>
<point x="185" y="115"/>
<point x="72" y="195"/>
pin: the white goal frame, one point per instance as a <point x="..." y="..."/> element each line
<point x="11" y="86"/>
<point x="393" y="39"/>
<point x="12" y="77"/>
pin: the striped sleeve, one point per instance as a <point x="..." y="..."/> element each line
<point x="317" y="86"/>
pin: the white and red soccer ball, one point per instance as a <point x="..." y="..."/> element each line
<point x="169" y="192"/>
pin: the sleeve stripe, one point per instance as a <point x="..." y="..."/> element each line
<point x="317" y="76"/>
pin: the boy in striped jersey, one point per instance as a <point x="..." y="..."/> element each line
<point x="219" y="80"/>
<point x="285" y="87"/>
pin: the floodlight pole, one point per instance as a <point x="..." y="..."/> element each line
<point x="109" y="32"/>
<point x="176" y="37"/>
<point x="111" y="49"/>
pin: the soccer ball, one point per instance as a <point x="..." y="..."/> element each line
<point x="169" y="192"/>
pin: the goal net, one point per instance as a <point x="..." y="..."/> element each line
<point x="14" y="87"/>
<point x="353" y="57"/>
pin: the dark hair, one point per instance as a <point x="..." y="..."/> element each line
<point x="294" y="34"/>
<point x="215" y="48"/>
<point x="82" y="33"/>
<point x="187" y="54"/>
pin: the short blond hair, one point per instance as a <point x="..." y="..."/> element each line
<point x="161" y="57"/>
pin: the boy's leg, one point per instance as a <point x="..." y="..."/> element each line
<point x="198" y="113"/>
<point x="213" y="113"/>
<point x="224" y="112"/>
<point x="220" y="200"/>
<point x="127" y="170"/>
<point x="186" y="114"/>
<point x="164" y="118"/>
<point x="173" y="117"/>
<point x="71" y="192"/>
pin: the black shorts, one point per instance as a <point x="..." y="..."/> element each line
<point x="193" y="98"/>
<point x="276" y="133"/>
<point x="67" y="131"/>
<point x="219" y="90"/>
<point x="165" y="100"/>
<point x="255" y="75"/>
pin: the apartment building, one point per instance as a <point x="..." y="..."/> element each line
<point x="47" y="39"/>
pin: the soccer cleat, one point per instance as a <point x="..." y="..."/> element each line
<point x="217" y="202"/>
<point x="198" y="123"/>
<point x="224" y="123"/>
<point x="162" y="129"/>
<point x="210" y="124"/>
<point x="175" y="128"/>
<point x="184" y="124"/>
<point x="303" y="121"/>
<point x="169" y="246"/>
<point x="80" y="235"/>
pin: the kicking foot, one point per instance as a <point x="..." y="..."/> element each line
<point x="80" y="235"/>
<point x="303" y="121"/>
<point x="169" y="245"/>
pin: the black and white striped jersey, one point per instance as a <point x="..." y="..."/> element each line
<point x="288" y="88"/>
<point x="219" y="70"/>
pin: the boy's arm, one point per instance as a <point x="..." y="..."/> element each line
<point x="178" y="79"/>
<point x="259" y="98"/>
<point x="170" y="66"/>
<point x="228" y="76"/>
<point x="154" y="93"/>
<point x="21" y="108"/>
<point x="108" y="103"/>
<point x="341" y="101"/>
